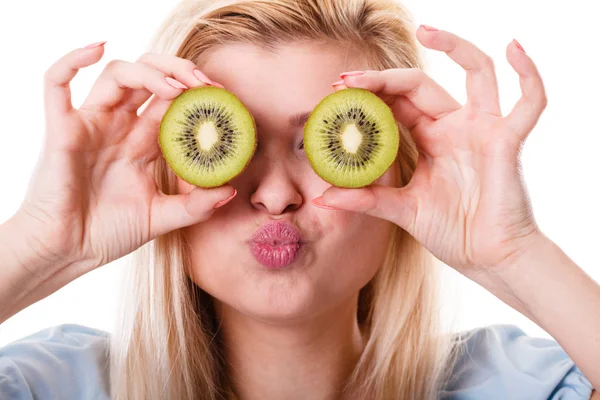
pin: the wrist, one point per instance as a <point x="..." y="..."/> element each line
<point x="528" y="254"/>
<point x="519" y="273"/>
<point x="537" y="281"/>
<point x="516" y="254"/>
<point x="35" y="244"/>
<point x="25" y="259"/>
<point x="25" y="265"/>
<point x="554" y="292"/>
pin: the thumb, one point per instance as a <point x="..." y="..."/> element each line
<point x="398" y="205"/>
<point x="170" y="212"/>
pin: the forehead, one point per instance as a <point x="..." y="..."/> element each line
<point x="287" y="79"/>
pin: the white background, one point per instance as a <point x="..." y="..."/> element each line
<point x="561" y="159"/>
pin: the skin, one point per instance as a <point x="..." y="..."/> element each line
<point x="299" y="325"/>
<point x="278" y="185"/>
<point x="285" y="320"/>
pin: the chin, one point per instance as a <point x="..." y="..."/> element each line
<point x="278" y="301"/>
<point x="296" y="293"/>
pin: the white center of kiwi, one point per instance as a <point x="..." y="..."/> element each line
<point x="207" y="135"/>
<point x="351" y="138"/>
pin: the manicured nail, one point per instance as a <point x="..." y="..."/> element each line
<point x="337" y="83"/>
<point x="430" y="28"/>
<point x="203" y="78"/>
<point x="223" y="202"/>
<point x="97" y="44"/>
<point x="519" y="45"/>
<point x="351" y="73"/>
<point x="318" y="202"/>
<point x="175" y="83"/>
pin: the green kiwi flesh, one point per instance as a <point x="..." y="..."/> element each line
<point x="207" y="136"/>
<point x="351" y="138"/>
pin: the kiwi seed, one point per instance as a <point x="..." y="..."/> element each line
<point x="207" y="136"/>
<point x="351" y="138"/>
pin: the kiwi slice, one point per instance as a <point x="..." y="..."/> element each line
<point x="207" y="136"/>
<point x="351" y="138"/>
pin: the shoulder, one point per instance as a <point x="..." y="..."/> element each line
<point x="62" y="362"/>
<point x="502" y="362"/>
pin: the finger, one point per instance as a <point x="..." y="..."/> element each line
<point x="410" y="116"/>
<point x="57" y="79"/>
<point x="184" y="70"/>
<point x="150" y="119"/>
<point x="403" y="109"/>
<point x="155" y="110"/>
<point x="482" y="86"/>
<point x="419" y="125"/>
<point x="525" y="114"/>
<point x="113" y="87"/>
<point x="397" y="205"/>
<point x="339" y="85"/>
<point x="423" y="92"/>
<point x="170" y="212"/>
<point x="144" y="138"/>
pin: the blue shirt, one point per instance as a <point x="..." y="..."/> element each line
<point x="498" y="362"/>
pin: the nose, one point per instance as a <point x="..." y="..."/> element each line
<point x="277" y="191"/>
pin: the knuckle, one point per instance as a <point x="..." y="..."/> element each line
<point x="113" y="65"/>
<point x="178" y="62"/>
<point x="188" y="63"/>
<point x="418" y="74"/>
<point x="162" y="61"/>
<point x="488" y="62"/>
<point x="50" y="74"/>
<point x="420" y="77"/>
<point x="146" y="57"/>
<point x="543" y="100"/>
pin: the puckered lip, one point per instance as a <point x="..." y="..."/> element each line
<point x="277" y="232"/>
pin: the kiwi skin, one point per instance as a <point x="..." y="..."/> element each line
<point x="165" y="136"/>
<point x="382" y="116"/>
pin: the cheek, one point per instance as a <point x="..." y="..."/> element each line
<point x="212" y="254"/>
<point x="355" y="241"/>
<point x="207" y="245"/>
<point x="352" y="251"/>
<point x="345" y="225"/>
<point x="355" y="227"/>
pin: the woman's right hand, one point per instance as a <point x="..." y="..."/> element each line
<point x="93" y="197"/>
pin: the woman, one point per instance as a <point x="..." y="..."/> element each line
<point x="353" y="313"/>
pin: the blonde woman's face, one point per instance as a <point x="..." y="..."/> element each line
<point x="270" y="253"/>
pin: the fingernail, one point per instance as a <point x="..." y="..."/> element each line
<point x="351" y="73"/>
<point x="223" y="202"/>
<point x="175" y="83"/>
<point x="97" y="44"/>
<point x="519" y="45"/>
<point x="217" y="84"/>
<point x="203" y="78"/>
<point x="318" y="202"/>
<point x="430" y="28"/>
<point x="337" y="83"/>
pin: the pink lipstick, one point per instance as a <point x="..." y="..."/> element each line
<point x="276" y="244"/>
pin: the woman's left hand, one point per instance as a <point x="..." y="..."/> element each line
<point x="466" y="202"/>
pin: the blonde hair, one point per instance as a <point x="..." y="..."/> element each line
<point x="166" y="344"/>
